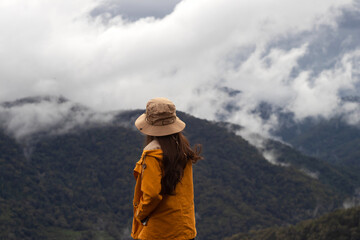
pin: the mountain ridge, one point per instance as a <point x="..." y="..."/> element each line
<point x="81" y="183"/>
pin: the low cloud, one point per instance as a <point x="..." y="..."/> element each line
<point x="268" y="78"/>
<point x="309" y="173"/>
<point x="47" y="116"/>
<point x="214" y="59"/>
<point x="353" y="201"/>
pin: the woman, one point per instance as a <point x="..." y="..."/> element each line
<point x="164" y="193"/>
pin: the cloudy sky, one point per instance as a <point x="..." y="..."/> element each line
<point x="205" y="55"/>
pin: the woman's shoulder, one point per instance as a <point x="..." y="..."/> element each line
<point x="153" y="150"/>
<point x="153" y="145"/>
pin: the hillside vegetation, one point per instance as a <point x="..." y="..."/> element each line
<point x="332" y="140"/>
<point x="79" y="185"/>
<point x="338" y="225"/>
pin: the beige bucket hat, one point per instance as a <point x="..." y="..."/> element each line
<point x="159" y="119"/>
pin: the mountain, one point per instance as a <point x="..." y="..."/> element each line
<point x="332" y="140"/>
<point x="78" y="184"/>
<point x="335" y="140"/>
<point x="341" y="224"/>
<point x="341" y="179"/>
<point x="34" y="100"/>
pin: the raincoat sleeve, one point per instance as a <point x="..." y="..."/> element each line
<point x="150" y="188"/>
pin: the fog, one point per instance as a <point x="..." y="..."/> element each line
<point x="215" y="59"/>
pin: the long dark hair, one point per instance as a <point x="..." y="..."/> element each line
<point x="176" y="154"/>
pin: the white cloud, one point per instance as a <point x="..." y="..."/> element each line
<point x="268" y="78"/>
<point x="47" y="116"/>
<point x="311" y="174"/>
<point x="109" y="63"/>
<point x="352" y="201"/>
<point x="320" y="96"/>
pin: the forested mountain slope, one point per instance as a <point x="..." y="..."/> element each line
<point x="79" y="185"/>
<point x="338" y="225"/>
<point x="332" y="140"/>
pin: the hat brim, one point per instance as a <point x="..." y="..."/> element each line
<point x="143" y="126"/>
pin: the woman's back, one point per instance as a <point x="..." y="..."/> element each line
<point x="174" y="216"/>
<point x="164" y="192"/>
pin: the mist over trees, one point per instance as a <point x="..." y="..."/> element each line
<point x="78" y="185"/>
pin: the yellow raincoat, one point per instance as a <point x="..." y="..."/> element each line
<point x="169" y="216"/>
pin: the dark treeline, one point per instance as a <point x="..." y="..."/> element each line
<point x="339" y="225"/>
<point x="80" y="185"/>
